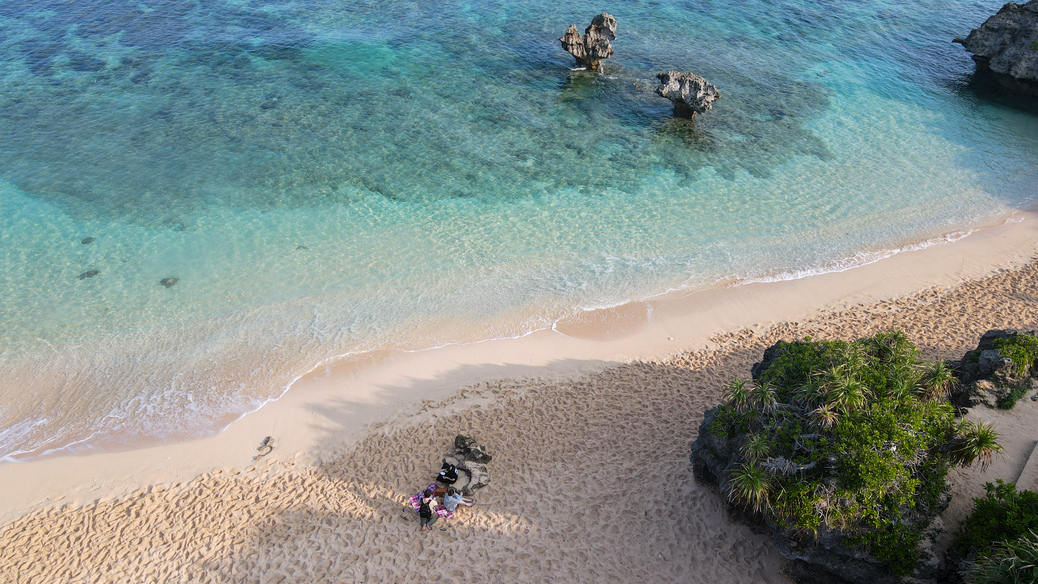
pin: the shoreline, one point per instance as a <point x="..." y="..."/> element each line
<point x="589" y="432"/>
<point x="592" y="324"/>
<point x="380" y="387"/>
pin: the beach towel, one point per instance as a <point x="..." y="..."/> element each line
<point x="416" y="502"/>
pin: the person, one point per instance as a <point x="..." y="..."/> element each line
<point x="454" y="498"/>
<point x="427" y="511"/>
<point x="448" y="473"/>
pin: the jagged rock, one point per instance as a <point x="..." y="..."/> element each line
<point x="985" y="375"/>
<point x="478" y="476"/>
<point x="690" y="93"/>
<point x="590" y="49"/>
<point x="478" y="454"/>
<point x="470" y="458"/>
<point x="462" y="442"/>
<point x="1006" y="46"/>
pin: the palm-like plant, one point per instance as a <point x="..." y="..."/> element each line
<point x="825" y="416"/>
<point x="937" y="382"/>
<point x="750" y="486"/>
<point x="738" y="394"/>
<point x="975" y="442"/>
<point x="757" y="447"/>
<point x="1014" y="562"/>
<point x="763" y="397"/>
<point x="846" y="394"/>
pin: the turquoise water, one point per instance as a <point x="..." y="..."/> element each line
<point x="327" y="179"/>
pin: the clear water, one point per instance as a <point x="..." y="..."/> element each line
<point x="330" y="178"/>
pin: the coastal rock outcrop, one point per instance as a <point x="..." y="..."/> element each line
<point x="988" y="375"/>
<point x="1006" y="46"/>
<point x="690" y="93"/>
<point x="593" y="47"/>
<point x="471" y="459"/>
<point x="830" y="555"/>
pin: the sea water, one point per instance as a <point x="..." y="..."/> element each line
<point x="327" y="179"/>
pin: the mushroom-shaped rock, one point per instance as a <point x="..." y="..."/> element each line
<point x="591" y="48"/>
<point x="690" y="93"/>
<point x="1006" y="45"/>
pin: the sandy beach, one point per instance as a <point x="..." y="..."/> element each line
<point x="589" y="426"/>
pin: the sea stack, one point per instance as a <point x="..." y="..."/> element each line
<point x="591" y="48"/>
<point x="1006" y="47"/>
<point x="690" y="93"/>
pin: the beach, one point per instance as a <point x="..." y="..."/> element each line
<point x="589" y="426"/>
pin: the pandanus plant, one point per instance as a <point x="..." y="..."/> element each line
<point x="738" y="394"/>
<point x="937" y="382"/>
<point x="975" y="442"/>
<point x="749" y="486"/>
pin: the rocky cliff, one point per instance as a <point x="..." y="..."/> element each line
<point x="1006" y="47"/>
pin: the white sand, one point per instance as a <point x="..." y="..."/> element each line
<point x="590" y="431"/>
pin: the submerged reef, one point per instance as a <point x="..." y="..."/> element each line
<point x="592" y="48"/>
<point x="1005" y="47"/>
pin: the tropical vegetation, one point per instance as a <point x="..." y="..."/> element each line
<point x="851" y="435"/>
<point x="1010" y="562"/>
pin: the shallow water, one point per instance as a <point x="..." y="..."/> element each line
<point x="325" y="179"/>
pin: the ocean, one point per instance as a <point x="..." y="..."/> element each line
<point x="202" y="200"/>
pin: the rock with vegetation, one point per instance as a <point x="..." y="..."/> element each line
<point x="593" y="47"/>
<point x="1006" y="46"/>
<point x="690" y="93"/>
<point x="1002" y="368"/>
<point x="841" y="449"/>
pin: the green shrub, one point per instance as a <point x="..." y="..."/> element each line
<point x="1003" y="514"/>
<point x="1011" y="562"/>
<point x="1021" y="349"/>
<point x="849" y="435"/>
<point x="1014" y="395"/>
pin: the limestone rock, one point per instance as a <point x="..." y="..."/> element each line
<point x="690" y="93"/>
<point x="471" y="459"/>
<point x="985" y="375"/>
<point x="169" y="282"/>
<point x="593" y="47"/>
<point x="1006" y="46"/>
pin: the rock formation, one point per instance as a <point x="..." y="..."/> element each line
<point x="471" y="459"/>
<point x="1006" y="46"/>
<point x="593" y="47"/>
<point x="690" y="93"/>
<point x="986" y="376"/>
<point x="825" y="557"/>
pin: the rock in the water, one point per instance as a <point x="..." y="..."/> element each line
<point x="690" y="93"/>
<point x="591" y="48"/>
<point x="1006" y="46"/>
<point x="169" y="282"/>
<point x="88" y="274"/>
<point x="87" y="240"/>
